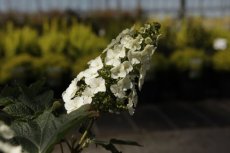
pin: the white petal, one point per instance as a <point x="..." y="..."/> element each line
<point x="112" y="62"/>
<point x="148" y="40"/>
<point x="113" y="56"/>
<point x="136" y="44"/>
<point x="133" y="97"/>
<point x="5" y="131"/>
<point x="90" y="73"/>
<point x="96" y="84"/>
<point x="96" y="63"/>
<point x="127" y="66"/>
<point x="141" y="77"/>
<point x="132" y="102"/>
<point x="131" y="43"/>
<point x="121" y="70"/>
<point x="125" y="83"/>
<point x="8" y="148"/>
<point x="112" y="43"/>
<point x="119" y="51"/>
<point x="74" y="104"/>
<point x="131" y="110"/>
<point x="88" y="92"/>
<point x="148" y="51"/>
<point x="117" y="91"/>
<point x="77" y="102"/>
<point x="126" y="40"/>
<point x="115" y="72"/>
<point x="70" y="91"/>
<point x="134" y="57"/>
<point x="80" y="76"/>
<point x="87" y="100"/>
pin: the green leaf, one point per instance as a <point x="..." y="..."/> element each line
<point x="124" y="142"/>
<point x="108" y="146"/>
<point x="111" y="144"/>
<point x="111" y="148"/>
<point x="9" y="91"/>
<point x="4" y="101"/>
<point x="19" y="111"/>
<point x="28" y="102"/>
<point x="41" y="134"/>
<point x="36" y="87"/>
<point x="36" y="100"/>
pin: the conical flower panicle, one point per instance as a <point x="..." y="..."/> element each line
<point x="111" y="81"/>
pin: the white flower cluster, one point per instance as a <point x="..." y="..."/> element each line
<point x="110" y="82"/>
<point x="7" y="133"/>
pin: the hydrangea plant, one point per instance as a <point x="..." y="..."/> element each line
<point x="111" y="80"/>
<point x="109" y="84"/>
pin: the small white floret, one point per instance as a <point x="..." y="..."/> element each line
<point x="96" y="84"/>
<point x="121" y="70"/>
<point x="96" y="63"/>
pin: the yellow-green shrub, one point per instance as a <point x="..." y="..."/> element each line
<point x="75" y="41"/>
<point x="50" y="51"/>
<point x="19" y="40"/>
<point x="189" y="59"/>
<point x="52" y="42"/>
<point x="11" y="40"/>
<point x="221" y="60"/>
<point x="82" y="41"/>
<point x="52" y="65"/>
<point x="28" y="41"/>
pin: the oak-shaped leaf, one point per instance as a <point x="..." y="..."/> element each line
<point x="42" y="133"/>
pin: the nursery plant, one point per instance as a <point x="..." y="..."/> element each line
<point x="36" y="121"/>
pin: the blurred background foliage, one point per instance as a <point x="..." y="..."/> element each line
<point x="59" y="45"/>
<point x="52" y="50"/>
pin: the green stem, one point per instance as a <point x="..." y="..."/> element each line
<point x="84" y="137"/>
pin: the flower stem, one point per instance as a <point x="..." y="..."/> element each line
<point x="83" y="138"/>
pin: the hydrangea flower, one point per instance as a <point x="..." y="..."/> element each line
<point x="6" y="133"/>
<point x="110" y="83"/>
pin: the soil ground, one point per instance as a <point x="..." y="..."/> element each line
<point x="175" y="127"/>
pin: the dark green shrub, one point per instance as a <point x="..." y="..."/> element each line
<point x="167" y="41"/>
<point x="17" y="67"/>
<point x="159" y="64"/>
<point x="52" y="65"/>
<point x="191" y="33"/>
